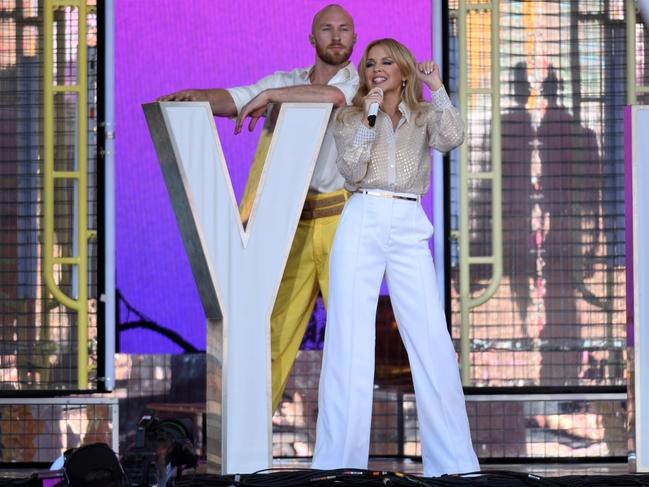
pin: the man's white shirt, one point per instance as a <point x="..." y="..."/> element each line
<point x="326" y="177"/>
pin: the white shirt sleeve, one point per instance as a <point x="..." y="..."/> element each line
<point x="440" y="100"/>
<point x="349" y="87"/>
<point x="281" y="79"/>
<point x="243" y="94"/>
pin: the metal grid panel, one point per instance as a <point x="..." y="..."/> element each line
<point x="549" y="428"/>
<point x="38" y="338"/>
<point x="40" y="430"/>
<point x="642" y="59"/>
<point x="165" y="386"/>
<point x="558" y="315"/>
<point x="516" y="428"/>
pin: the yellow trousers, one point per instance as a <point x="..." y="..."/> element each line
<point x="306" y="273"/>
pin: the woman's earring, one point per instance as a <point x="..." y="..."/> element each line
<point x="403" y="83"/>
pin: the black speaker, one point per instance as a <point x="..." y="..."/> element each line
<point x="94" y="465"/>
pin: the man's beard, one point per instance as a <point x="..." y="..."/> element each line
<point x="332" y="58"/>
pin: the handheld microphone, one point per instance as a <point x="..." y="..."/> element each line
<point x="373" y="110"/>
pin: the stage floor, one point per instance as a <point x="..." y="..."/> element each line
<point x="541" y="469"/>
<point x="415" y="468"/>
<point x="390" y="471"/>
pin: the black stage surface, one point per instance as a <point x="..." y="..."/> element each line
<point x="353" y="477"/>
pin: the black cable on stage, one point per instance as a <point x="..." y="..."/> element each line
<point x="323" y="478"/>
<point x="12" y="483"/>
<point x="524" y="478"/>
<point x="282" y="477"/>
<point x="605" y="480"/>
<point x="371" y="478"/>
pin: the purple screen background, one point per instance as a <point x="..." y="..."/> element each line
<point x="166" y="45"/>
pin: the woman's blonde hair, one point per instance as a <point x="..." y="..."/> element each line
<point x="410" y="93"/>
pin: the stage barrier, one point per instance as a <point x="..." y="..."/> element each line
<point x="237" y="265"/>
<point x="39" y="430"/>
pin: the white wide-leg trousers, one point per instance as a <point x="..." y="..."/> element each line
<point x="377" y="236"/>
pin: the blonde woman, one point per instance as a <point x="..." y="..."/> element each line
<point x="384" y="231"/>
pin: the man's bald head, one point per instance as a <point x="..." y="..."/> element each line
<point x="332" y="35"/>
<point x="330" y="8"/>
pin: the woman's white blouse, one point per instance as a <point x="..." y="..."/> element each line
<point x="397" y="160"/>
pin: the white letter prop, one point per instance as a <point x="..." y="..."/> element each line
<point x="237" y="271"/>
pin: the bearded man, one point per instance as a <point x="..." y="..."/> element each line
<point x="331" y="79"/>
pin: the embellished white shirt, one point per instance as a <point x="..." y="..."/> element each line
<point x="397" y="160"/>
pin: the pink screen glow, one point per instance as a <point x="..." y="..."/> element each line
<point x="167" y="45"/>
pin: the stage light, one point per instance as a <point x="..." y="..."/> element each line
<point x="160" y="447"/>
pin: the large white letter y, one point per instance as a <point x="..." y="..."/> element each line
<point x="237" y="271"/>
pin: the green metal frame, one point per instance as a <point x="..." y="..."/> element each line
<point x="630" y="16"/>
<point x="466" y="260"/>
<point x="79" y="262"/>
<point x="632" y="88"/>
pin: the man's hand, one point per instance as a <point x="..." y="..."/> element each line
<point x="220" y="101"/>
<point x="254" y="109"/>
<point x="184" y="95"/>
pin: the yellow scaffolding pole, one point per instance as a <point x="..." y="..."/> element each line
<point x="630" y="16"/>
<point x="466" y="89"/>
<point x="79" y="262"/>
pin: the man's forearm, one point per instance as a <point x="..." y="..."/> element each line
<point x="219" y="99"/>
<point x="221" y="102"/>
<point x="307" y="93"/>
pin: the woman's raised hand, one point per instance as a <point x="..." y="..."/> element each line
<point x="428" y="73"/>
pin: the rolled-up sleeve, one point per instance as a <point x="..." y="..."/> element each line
<point x="348" y="90"/>
<point x="243" y="94"/>
<point x="354" y="143"/>
<point x="443" y="123"/>
<point x="348" y="86"/>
